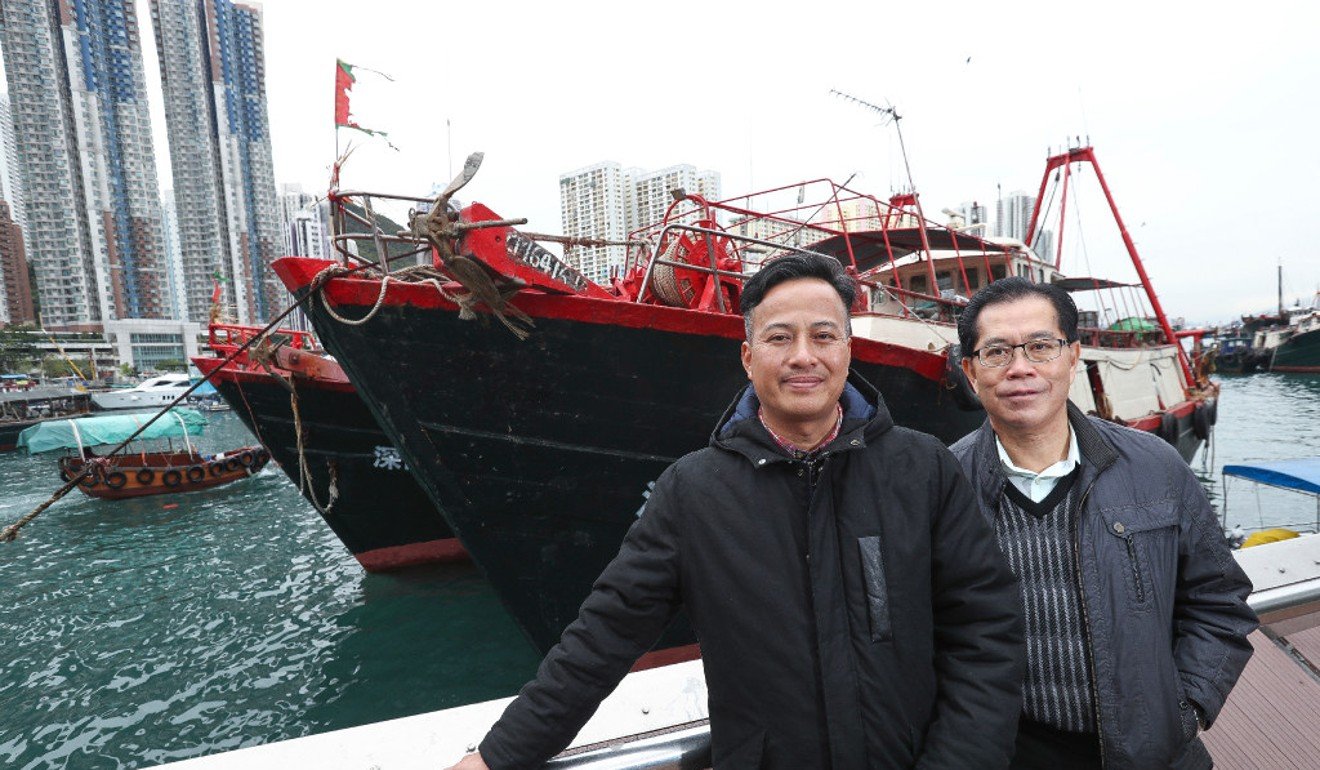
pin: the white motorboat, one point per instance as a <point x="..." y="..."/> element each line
<point x="153" y="392"/>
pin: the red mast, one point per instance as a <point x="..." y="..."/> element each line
<point x="1087" y="155"/>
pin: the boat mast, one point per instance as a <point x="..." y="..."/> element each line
<point x="1087" y="155"/>
<point x="1281" y="289"/>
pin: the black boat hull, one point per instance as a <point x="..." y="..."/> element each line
<point x="1298" y="354"/>
<point x="539" y="452"/>
<point x="384" y="518"/>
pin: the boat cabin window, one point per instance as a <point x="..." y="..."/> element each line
<point x="917" y="283"/>
<point x="997" y="272"/>
<point x="944" y="280"/>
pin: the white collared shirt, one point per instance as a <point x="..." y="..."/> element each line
<point x="1037" y="486"/>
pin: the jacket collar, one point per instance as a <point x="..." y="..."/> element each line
<point x="865" y="417"/>
<point x="1097" y="455"/>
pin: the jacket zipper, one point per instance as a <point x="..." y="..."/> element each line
<point x="1086" y="619"/>
<point x="1136" y="569"/>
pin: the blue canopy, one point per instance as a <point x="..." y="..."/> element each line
<point x="1302" y="474"/>
<point x="109" y="429"/>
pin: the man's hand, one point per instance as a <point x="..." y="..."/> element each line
<point x="472" y="761"/>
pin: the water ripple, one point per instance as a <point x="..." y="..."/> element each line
<point x="137" y="634"/>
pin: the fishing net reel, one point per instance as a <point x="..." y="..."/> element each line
<point x="695" y="288"/>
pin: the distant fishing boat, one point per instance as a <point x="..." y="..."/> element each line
<point x="21" y="409"/>
<point x="140" y="471"/>
<point x="1300" y="349"/>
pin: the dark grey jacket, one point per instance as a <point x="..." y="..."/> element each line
<point x="1164" y="598"/>
<point x="853" y="612"/>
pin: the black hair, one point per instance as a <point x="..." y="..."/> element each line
<point x="1010" y="290"/>
<point x="791" y="267"/>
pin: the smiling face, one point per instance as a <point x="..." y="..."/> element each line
<point x="798" y="354"/>
<point x="1023" y="398"/>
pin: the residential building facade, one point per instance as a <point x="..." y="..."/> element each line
<point x="1013" y="214"/>
<point x="11" y="181"/>
<point x="83" y="148"/>
<point x="212" y="61"/>
<point x="16" y="297"/>
<point x="300" y="222"/>
<point x="606" y="201"/>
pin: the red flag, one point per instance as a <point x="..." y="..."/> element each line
<point x="215" y="292"/>
<point x="343" y="84"/>
<point x="344" y="80"/>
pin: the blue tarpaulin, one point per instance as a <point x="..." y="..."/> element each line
<point x="1302" y="474"/>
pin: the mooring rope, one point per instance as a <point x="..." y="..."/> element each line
<point x="10" y="532"/>
<point x="304" y="470"/>
<point x="468" y="275"/>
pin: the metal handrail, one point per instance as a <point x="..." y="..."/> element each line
<point x="685" y="748"/>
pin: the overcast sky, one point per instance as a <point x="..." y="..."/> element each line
<point x="1204" y="121"/>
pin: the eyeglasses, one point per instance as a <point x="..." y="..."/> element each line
<point x="1037" y="351"/>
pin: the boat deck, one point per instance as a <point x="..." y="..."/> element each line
<point x="1270" y="719"/>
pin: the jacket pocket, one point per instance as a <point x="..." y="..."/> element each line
<point x="1134" y="528"/>
<point x="877" y="595"/>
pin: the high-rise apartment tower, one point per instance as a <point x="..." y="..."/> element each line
<point x="606" y="201"/>
<point x="212" y="65"/>
<point x="83" y="148"/>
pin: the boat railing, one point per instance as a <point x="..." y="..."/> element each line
<point x="344" y="240"/>
<point x="682" y="747"/>
<point x="709" y="235"/>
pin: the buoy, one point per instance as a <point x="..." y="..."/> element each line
<point x="1275" y="535"/>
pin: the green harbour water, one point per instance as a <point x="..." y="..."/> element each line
<point x="134" y="633"/>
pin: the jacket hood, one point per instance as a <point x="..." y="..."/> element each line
<point x="865" y="416"/>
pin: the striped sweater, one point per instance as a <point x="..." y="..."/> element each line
<point x="1037" y="539"/>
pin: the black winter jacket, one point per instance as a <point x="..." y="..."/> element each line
<point x="853" y="612"/>
<point x="1164" y="598"/>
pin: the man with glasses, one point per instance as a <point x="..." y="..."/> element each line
<point x="1136" y="613"/>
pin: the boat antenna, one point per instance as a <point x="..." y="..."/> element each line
<point x="889" y="114"/>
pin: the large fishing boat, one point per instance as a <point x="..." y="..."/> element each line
<point x="299" y="404"/>
<point x="535" y="406"/>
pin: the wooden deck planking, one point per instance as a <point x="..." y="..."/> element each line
<point x="1270" y="721"/>
<point x="1308" y="644"/>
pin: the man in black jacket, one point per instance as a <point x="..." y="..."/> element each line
<point x="852" y="607"/>
<point x="1135" y="609"/>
